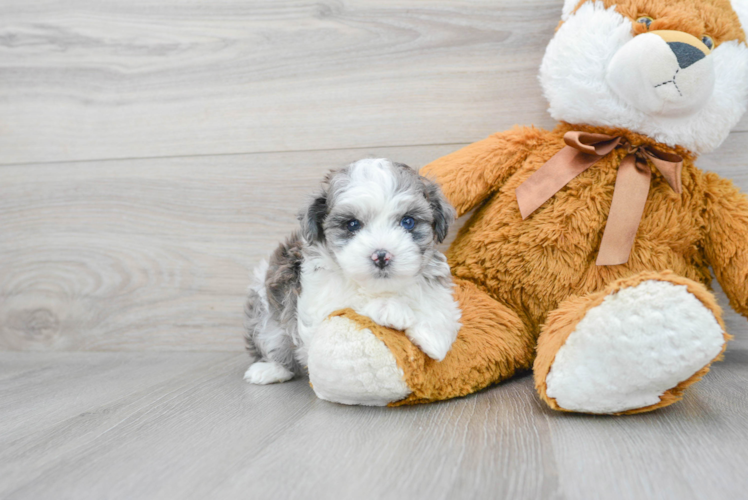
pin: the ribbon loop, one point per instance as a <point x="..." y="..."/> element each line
<point x="583" y="150"/>
<point x="594" y="144"/>
<point x="670" y="166"/>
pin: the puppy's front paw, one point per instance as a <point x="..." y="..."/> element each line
<point x="433" y="343"/>
<point x="267" y="372"/>
<point x="390" y="313"/>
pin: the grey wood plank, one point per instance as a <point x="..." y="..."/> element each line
<point x="156" y="253"/>
<point x="145" y="410"/>
<point x="189" y="427"/>
<point x="96" y="381"/>
<point x="151" y="254"/>
<point x="692" y="450"/>
<point x="87" y="79"/>
<point x="465" y="448"/>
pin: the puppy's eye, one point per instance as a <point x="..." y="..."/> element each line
<point x="353" y="225"/>
<point x="645" y="20"/>
<point x="408" y="223"/>
<point x="708" y="41"/>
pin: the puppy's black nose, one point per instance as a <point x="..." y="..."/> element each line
<point x="686" y="54"/>
<point x="381" y="258"/>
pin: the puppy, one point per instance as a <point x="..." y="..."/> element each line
<point x="366" y="242"/>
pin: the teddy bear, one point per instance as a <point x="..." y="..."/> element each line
<point x="587" y="257"/>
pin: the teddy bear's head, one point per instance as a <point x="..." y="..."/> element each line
<point x="674" y="70"/>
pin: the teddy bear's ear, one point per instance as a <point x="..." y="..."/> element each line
<point x="741" y="9"/>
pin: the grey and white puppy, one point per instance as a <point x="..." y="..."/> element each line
<point x="367" y="242"/>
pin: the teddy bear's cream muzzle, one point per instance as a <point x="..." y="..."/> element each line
<point x="665" y="73"/>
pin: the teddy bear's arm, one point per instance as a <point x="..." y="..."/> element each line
<point x="470" y="174"/>
<point x="727" y="239"/>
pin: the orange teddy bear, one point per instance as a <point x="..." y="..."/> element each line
<point x="587" y="257"/>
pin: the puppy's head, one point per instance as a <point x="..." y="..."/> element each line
<point x="380" y="220"/>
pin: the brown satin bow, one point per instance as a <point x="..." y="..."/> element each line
<point x="629" y="196"/>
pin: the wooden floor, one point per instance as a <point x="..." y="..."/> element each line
<point x="159" y="425"/>
<point x="152" y="153"/>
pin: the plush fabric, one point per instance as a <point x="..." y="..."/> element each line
<point x="530" y="290"/>
<point x="579" y="68"/>
<point x="546" y="264"/>
<point x="564" y="320"/>
<point x="493" y="345"/>
<point x="534" y="264"/>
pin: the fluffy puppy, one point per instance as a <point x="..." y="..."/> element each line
<point x="367" y="242"/>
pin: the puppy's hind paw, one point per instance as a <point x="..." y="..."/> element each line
<point x="267" y="372"/>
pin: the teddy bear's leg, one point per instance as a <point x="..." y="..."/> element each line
<point x="352" y="360"/>
<point x="632" y="347"/>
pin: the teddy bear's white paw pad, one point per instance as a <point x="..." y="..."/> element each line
<point x="632" y="348"/>
<point x="350" y="365"/>
<point x="267" y="372"/>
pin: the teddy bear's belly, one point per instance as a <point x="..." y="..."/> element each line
<point x="534" y="264"/>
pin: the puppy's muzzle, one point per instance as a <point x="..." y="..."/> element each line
<point x="381" y="258"/>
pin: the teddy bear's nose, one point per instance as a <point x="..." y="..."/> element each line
<point x="686" y="54"/>
<point x="687" y="48"/>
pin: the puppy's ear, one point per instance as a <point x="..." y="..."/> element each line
<point x="312" y="219"/>
<point x="442" y="210"/>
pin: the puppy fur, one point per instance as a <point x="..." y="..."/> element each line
<point x="367" y="241"/>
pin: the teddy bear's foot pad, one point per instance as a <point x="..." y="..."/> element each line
<point x="637" y="344"/>
<point x="348" y="364"/>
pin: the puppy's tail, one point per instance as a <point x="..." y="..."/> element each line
<point x="256" y="310"/>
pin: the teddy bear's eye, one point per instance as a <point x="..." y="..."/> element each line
<point x="708" y="41"/>
<point x="645" y="20"/>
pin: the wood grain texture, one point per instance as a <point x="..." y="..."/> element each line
<point x="185" y="425"/>
<point x="148" y="254"/>
<point x="152" y="153"/>
<point x="86" y="79"/>
<point x="156" y="253"/>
